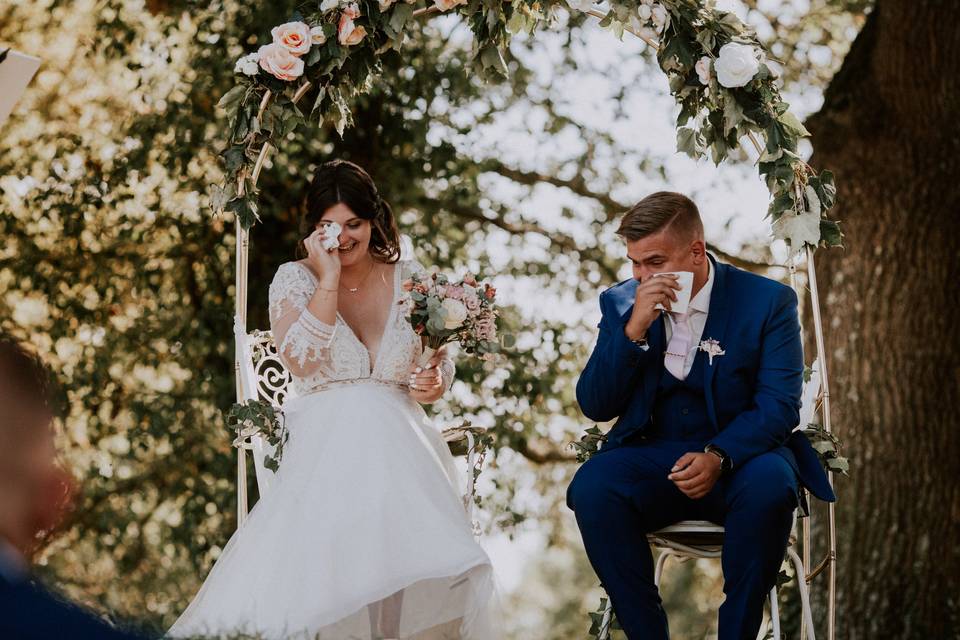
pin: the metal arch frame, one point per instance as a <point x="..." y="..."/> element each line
<point x="829" y="562"/>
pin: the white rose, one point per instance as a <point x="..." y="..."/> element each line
<point x="703" y="70"/>
<point x="736" y="65"/>
<point x="248" y="65"/>
<point x="456" y="313"/>
<point x="276" y="59"/>
<point x="645" y="12"/>
<point x="317" y="36"/>
<point x="661" y="17"/>
<point x="328" y="5"/>
<point x="295" y="36"/>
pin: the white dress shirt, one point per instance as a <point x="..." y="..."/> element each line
<point x="696" y="319"/>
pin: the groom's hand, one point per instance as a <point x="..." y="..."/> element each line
<point x="696" y="473"/>
<point x="651" y="292"/>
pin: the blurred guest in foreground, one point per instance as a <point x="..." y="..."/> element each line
<point x="34" y="494"/>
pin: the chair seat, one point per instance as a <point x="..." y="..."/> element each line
<point x="699" y="534"/>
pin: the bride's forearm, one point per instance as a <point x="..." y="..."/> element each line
<point x="323" y="304"/>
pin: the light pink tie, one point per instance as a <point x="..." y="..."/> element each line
<point x="676" y="357"/>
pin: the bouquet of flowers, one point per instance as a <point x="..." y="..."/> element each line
<point x="443" y="310"/>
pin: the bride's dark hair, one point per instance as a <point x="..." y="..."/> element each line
<point x="341" y="181"/>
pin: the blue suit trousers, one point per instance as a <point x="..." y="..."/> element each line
<point x="620" y="495"/>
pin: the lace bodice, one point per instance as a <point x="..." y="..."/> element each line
<point x="320" y="355"/>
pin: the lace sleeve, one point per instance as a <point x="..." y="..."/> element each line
<point x="303" y="341"/>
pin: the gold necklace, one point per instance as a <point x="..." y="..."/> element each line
<point x="362" y="280"/>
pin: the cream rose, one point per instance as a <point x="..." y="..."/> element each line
<point x="736" y="65"/>
<point x="644" y="12"/>
<point x="703" y="70"/>
<point x="295" y="36"/>
<point x="317" y="36"/>
<point x="277" y="60"/>
<point x="456" y="313"/>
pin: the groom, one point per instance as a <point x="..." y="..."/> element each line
<point x="706" y="402"/>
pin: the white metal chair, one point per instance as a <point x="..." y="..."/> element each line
<point x="702" y="539"/>
<point x="262" y="376"/>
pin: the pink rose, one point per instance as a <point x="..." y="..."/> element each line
<point x="349" y="34"/>
<point x="277" y="60"/>
<point x="455" y="292"/>
<point x="385" y="4"/>
<point x="471" y="301"/>
<point x="295" y="36"/>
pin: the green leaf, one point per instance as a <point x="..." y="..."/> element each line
<point x="732" y="114"/>
<point x="793" y="125"/>
<point x="783" y="203"/>
<point x="491" y="58"/>
<point x="218" y="198"/>
<point x="234" y="157"/>
<point x="798" y="230"/>
<point x="245" y="210"/>
<point x="689" y="142"/>
<point x="399" y="14"/>
<point x="830" y="234"/>
<point x="232" y="99"/>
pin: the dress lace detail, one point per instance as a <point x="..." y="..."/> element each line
<point x="319" y="355"/>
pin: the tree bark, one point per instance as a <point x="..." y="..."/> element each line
<point x="889" y="129"/>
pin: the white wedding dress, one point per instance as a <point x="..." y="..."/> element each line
<point x="364" y="507"/>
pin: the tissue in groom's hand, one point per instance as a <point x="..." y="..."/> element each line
<point x="685" y="280"/>
<point x="16" y="70"/>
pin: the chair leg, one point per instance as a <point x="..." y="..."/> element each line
<point x="661" y="562"/>
<point x="775" y="613"/>
<point x="804" y="592"/>
<point x="605" y="622"/>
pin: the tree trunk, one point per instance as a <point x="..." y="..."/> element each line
<point x="889" y="129"/>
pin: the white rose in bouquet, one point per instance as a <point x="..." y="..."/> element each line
<point x="736" y="65"/>
<point x="456" y="313"/>
<point x="248" y="65"/>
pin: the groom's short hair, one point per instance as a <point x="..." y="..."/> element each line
<point x="659" y="211"/>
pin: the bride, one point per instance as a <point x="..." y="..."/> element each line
<point x="363" y="534"/>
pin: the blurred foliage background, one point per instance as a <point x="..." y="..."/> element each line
<point x="112" y="266"/>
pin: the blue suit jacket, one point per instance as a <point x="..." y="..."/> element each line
<point x="30" y="612"/>
<point x="752" y="391"/>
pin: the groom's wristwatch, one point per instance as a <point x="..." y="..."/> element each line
<point x="725" y="463"/>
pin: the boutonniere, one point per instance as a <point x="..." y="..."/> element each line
<point x="712" y="348"/>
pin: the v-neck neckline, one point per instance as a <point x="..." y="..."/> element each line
<point x="372" y="359"/>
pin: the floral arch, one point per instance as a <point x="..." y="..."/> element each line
<point x="717" y="70"/>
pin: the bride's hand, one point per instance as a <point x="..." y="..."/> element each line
<point x="426" y="383"/>
<point x="325" y="263"/>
